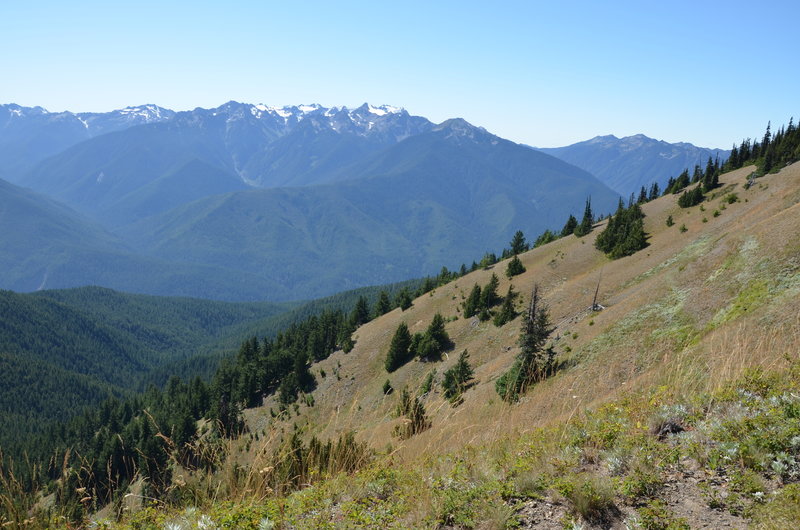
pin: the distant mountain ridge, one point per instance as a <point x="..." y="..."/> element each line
<point x="30" y="134"/>
<point x="434" y="199"/>
<point x="251" y="202"/>
<point x="626" y="164"/>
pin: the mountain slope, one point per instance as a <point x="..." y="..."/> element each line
<point x="28" y="135"/>
<point x="675" y="405"/>
<point x="47" y="245"/>
<point x="433" y="199"/>
<point x="691" y="310"/>
<point x="106" y="176"/>
<point x="627" y="164"/>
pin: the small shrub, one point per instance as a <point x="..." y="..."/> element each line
<point x="590" y="496"/>
<point x="683" y="228"/>
<point x="656" y="516"/>
<point x="427" y="383"/>
<point x="670" y="221"/>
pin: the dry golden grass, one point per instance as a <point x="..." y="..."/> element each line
<point x="689" y="312"/>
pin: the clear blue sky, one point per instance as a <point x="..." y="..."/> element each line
<point x="543" y="73"/>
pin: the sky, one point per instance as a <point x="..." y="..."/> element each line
<point x="542" y="73"/>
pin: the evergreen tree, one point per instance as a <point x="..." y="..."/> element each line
<point x="642" y="196"/>
<point x="345" y="338"/>
<point x="398" y="353"/>
<point x="507" y="312"/>
<point x="518" y="244"/>
<point x="587" y="221"/>
<point x="670" y="185"/>
<point x="514" y="267"/>
<point x="434" y="341"/>
<point x="691" y="198"/>
<point x="489" y="296"/>
<point x="546" y="237"/>
<point x="404" y="299"/>
<point x="624" y="234"/>
<point x="681" y="182"/>
<point x="655" y="192"/>
<point x="360" y="314"/>
<point x="697" y="176"/>
<point x="473" y="303"/>
<point x="383" y="305"/>
<point x="456" y="378"/>
<point x="534" y="362"/>
<point x="569" y="227"/>
<point x="488" y="260"/>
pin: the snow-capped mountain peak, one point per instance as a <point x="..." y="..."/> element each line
<point x="146" y="113"/>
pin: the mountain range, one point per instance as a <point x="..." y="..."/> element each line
<point x="626" y="164"/>
<point x="251" y="202"/>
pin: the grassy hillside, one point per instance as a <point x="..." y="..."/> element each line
<point x="46" y="245"/>
<point x="683" y="388"/>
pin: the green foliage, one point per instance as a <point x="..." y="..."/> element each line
<point x="473" y="303"/>
<point x="518" y="244"/>
<point x="360" y="314"/>
<point x="670" y="221"/>
<point x="489" y="297"/>
<point x="404" y="300"/>
<point x="731" y="198"/>
<point x="657" y="516"/>
<point x="781" y="510"/>
<point x="456" y="378"/>
<point x="399" y="353"/>
<point x="678" y="184"/>
<point x="587" y="220"/>
<point x="569" y="226"/>
<point x="434" y="341"/>
<point x="691" y="198"/>
<point x="427" y="383"/>
<point x="387" y="388"/>
<point x="544" y="238"/>
<point x="590" y="496"/>
<point x="412" y="411"/>
<point x="507" y="312"/>
<point x="488" y="260"/>
<point x="383" y="305"/>
<point x="624" y="233"/>
<point x="514" y="267"/>
<point x="534" y="362"/>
